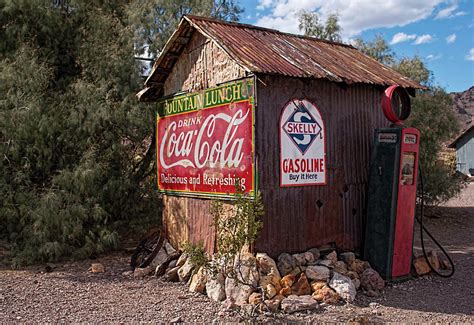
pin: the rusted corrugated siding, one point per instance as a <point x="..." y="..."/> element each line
<point x="293" y="221"/>
<point x="262" y="50"/>
<point x="297" y="218"/>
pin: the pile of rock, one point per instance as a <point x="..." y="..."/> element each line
<point x="422" y="267"/>
<point x="292" y="283"/>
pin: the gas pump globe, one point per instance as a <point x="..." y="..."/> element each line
<point x="392" y="190"/>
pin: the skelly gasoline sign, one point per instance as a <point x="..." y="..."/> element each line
<point x="205" y="141"/>
<point x="302" y="145"/>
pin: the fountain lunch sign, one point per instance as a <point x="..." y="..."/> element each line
<point x="205" y="141"/>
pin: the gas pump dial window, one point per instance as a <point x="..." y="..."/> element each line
<point x="408" y="168"/>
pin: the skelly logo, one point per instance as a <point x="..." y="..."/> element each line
<point x="302" y="128"/>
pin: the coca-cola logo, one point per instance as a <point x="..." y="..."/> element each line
<point x="205" y="141"/>
<point x="204" y="146"/>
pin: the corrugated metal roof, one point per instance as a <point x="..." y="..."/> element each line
<point x="267" y="51"/>
<point x="463" y="133"/>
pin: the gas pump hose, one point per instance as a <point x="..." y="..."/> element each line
<point x="422" y="228"/>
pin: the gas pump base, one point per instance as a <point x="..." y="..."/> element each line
<point x="391" y="202"/>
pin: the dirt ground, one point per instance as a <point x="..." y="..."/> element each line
<point x="69" y="293"/>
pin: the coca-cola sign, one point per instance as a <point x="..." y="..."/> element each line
<point x="205" y="141"/>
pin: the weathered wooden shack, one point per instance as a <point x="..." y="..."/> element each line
<point x="464" y="145"/>
<point x="332" y="93"/>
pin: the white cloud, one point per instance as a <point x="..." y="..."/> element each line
<point x="446" y="12"/>
<point x="285" y="24"/>
<point x="355" y="16"/>
<point x="262" y="4"/>
<point x="422" y="39"/>
<point x="433" y="57"/>
<point x="470" y="56"/>
<point x="418" y="39"/>
<point x="402" y="37"/>
<point x="449" y="12"/>
<point x="451" y="38"/>
<point x="460" y="13"/>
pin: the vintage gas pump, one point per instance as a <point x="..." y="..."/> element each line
<point x="392" y="190"/>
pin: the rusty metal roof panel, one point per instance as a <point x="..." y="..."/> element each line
<point x="270" y="51"/>
<point x="267" y="51"/>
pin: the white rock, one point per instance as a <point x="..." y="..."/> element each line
<point x="215" y="288"/>
<point x="228" y="305"/>
<point x="326" y="263"/>
<point x="141" y="272"/>
<point x="159" y="258"/>
<point x="309" y="257"/>
<point x="356" y="282"/>
<point x="168" y="248"/>
<point x="182" y="259"/>
<point x="198" y="281"/>
<point x="176" y="320"/>
<point x="237" y="292"/>
<point x="269" y="275"/>
<point x="343" y="286"/>
<point x="172" y="274"/>
<point x="294" y="303"/>
<point x="270" y="291"/>
<point x="317" y="273"/>
<point x="300" y="259"/>
<point x="185" y="271"/>
<point x="332" y="257"/>
<point x="245" y="267"/>
<point x="266" y="264"/>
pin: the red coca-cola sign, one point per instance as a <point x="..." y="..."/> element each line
<point x="205" y="141"/>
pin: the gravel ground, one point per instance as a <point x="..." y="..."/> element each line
<point x="69" y="293"/>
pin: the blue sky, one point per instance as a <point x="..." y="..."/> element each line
<point x="441" y="32"/>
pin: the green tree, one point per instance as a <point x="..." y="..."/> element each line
<point x="155" y="20"/>
<point x="415" y="69"/>
<point x="377" y="48"/>
<point x="71" y="129"/>
<point x="76" y="148"/>
<point x="432" y="115"/>
<point x="310" y="25"/>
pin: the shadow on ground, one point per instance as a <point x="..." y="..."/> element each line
<point x="453" y="228"/>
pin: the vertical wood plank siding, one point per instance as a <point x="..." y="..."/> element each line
<point x="201" y="65"/>
<point x="465" y="153"/>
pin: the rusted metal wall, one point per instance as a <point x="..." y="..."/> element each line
<point x="201" y="65"/>
<point x="298" y="218"/>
